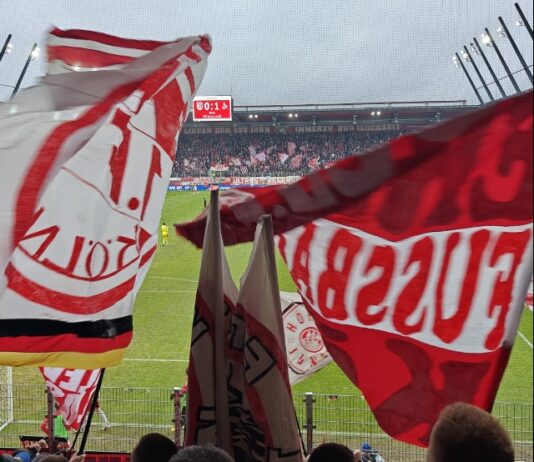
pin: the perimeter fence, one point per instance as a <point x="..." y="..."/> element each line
<point x="134" y="412"/>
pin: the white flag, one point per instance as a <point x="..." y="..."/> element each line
<point x="85" y="159"/>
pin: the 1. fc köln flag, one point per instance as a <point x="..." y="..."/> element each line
<point x="72" y="390"/>
<point x="263" y="421"/>
<point x="413" y="259"/>
<point x="85" y="159"/>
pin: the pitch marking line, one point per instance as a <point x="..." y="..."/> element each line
<point x="173" y="278"/>
<point x="527" y="341"/>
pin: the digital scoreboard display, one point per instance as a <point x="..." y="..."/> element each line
<point x="212" y="108"/>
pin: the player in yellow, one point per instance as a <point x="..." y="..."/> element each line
<point x="164" y="234"/>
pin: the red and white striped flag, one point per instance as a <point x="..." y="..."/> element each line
<point x="85" y="159"/>
<point x="72" y="390"/>
<point x="413" y="259"/>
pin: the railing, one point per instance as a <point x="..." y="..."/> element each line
<point x="134" y="412"/>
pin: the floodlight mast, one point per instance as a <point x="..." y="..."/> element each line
<point x="34" y="53"/>
<point x="524" y="20"/>
<point x="470" y="59"/>
<point x="488" y="39"/>
<point x="490" y="68"/>
<point x="458" y="61"/>
<point x="7" y="47"/>
<point x="506" y="33"/>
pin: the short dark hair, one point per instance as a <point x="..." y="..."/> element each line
<point x="465" y="433"/>
<point x="201" y="454"/>
<point x="328" y="452"/>
<point x="154" y="447"/>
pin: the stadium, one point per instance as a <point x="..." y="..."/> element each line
<point x="235" y="143"/>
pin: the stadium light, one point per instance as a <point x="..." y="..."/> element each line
<point x="519" y="23"/>
<point x="469" y="59"/>
<point x="378" y="113"/>
<point x="250" y="116"/>
<point x="34" y="53"/>
<point x="455" y="61"/>
<point x="474" y="49"/>
<point x="524" y="21"/>
<point x="486" y="40"/>
<point x="501" y="32"/>
<point x="296" y="115"/>
<point x="460" y="63"/>
<point x="506" y="33"/>
<point x="502" y="60"/>
<point x="291" y="115"/>
<point x="8" y="46"/>
<point x="255" y="116"/>
<point x="490" y="68"/>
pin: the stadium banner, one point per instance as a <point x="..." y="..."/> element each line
<point x="85" y="160"/>
<point x="414" y="258"/>
<point x="221" y="130"/>
<point x="208" y="411"/>
<point x="72" y="389"/>
<point x="257" y="363"/>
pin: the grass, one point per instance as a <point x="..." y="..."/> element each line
<point x="158" y="355"/>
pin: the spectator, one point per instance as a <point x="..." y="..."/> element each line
<point x="201" y="454"/>
<point x="465" y="433"/>
<point x="153" y="447"/>
<point x="329" y="452"/>
<point x="369" y="454"/>
<point x="23" y="455"/>
<point x="270" y="154"/>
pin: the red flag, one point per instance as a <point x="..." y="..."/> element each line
<point x="414" y="259"/>
<point x="72" y="390"/>
<point x="85" y="161"/>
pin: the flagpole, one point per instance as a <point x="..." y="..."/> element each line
<point x="91" y="412"/>
<point x="50" y="419"/>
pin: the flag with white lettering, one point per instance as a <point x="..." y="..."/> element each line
<point x="85" y="159"/>
<point x="72" y="389"/>
<point x="414" y="259"/>
<point x="263" y="421"/>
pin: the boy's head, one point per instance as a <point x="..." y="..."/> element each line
<point x="329" y="452"/>
<point x="465" y="433"/>
<point x="154" y="447"/>
<point x="201" y="454"/>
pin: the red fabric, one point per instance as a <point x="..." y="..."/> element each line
<point x="414" y="260"/>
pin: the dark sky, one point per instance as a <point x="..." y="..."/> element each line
<point x="292" y="51"/>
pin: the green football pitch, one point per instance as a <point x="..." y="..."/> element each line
<point x="163" y="311"/>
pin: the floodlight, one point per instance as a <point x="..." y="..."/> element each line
<point x="35" y="53"/>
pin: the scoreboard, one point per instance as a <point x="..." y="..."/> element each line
<point x="212" y="108"/>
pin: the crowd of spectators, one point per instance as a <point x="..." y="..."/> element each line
<point x="270" y="154"/>
<point x="463" y="433"/>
